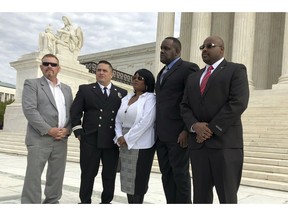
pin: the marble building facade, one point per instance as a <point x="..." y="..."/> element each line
<point x="258" y="40"/>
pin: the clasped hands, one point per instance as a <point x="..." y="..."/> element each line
<point x="203" y="132"/>
<point x="58" y="133"/>
<point x="121" y="141"/>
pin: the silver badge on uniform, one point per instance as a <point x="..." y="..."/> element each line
<point x="119" y="95"/>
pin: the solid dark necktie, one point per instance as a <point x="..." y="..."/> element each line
<point x="105" y="92"/>
<point x="163" y="73"/>
<point x="205" y="79"/>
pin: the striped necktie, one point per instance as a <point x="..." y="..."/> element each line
<point x="205" y="79"/>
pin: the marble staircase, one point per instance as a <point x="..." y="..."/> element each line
<point x="265" y="124"/>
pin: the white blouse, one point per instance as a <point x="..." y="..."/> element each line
<point x="140" y="118"/>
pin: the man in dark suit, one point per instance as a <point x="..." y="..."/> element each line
<point x="213" y="115"/>
<point x="98" y="104"/>
<point x="171" y="143"/>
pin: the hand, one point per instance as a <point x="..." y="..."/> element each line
<point x="203" y="132"/>
<point x="182" y="139"/>
<point x="199" y="139"/>
<point x="121" y="141"/>
<point x="79" y="137"/>
<point x="58" y="133"/>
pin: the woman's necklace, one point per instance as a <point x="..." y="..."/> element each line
<point x="126" y="108"/>
<point x="132" y="100"/>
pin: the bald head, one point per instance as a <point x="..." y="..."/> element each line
<point x="212" y="49"/>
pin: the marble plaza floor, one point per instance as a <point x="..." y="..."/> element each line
<point x="12" y="171"/>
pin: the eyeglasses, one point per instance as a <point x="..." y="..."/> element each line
<point x="138" y="77"/>
<point x="208" y="46"/>
<point x="46" y="64"/>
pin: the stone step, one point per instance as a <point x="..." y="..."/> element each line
<point x="261" y="131"/>
<point x="266" y="161"/>
<point x="13" y="151"/>
<point x="266" y="149"/>
<point x="266" y="155"/>
<point x="265" y="143"/>
<point x="265" y="176"/>
<point x="266" y="123"/>
<point x="264" y="111"/>
<point x="266" y="135"/>
<point x="268" y="184"/>
<point x="266" y="168"/>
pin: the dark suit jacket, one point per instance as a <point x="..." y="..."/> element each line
<point x="98" y="114"/>
<point x="224" y="100"/>
<point x="169" y="94"/>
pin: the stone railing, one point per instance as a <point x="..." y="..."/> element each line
<point x="118" y="76"/>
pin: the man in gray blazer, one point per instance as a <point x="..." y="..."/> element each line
<point x="46" y="105"/>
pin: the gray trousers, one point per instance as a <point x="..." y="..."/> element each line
<point x="55" y="154"/>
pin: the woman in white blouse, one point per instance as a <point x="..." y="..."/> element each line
<point x="134" y="127"/>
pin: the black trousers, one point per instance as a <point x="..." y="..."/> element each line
<point x="221" y="168"/>
<point x="90" y="157"/>
<point x="174" y="166"/>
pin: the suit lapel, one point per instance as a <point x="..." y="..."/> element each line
<point x="171" y="70"/>
<point x="114" y="93"/>
<point x="47" y="90"/>
<point x="95" y="88"/>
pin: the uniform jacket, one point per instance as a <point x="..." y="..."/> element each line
<point x="224" y="100"/>
<point x="169" y="94"/>
<point x="98" y="114"/>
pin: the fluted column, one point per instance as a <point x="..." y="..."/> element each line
<point x="243" y="42"/>
<point x="201" y="29"/>
<point x="186" y="34"/>
<point x="165" y="28"/>
<point x="284" y="74"/>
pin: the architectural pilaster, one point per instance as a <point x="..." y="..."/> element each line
<point x="186" y="34"/>
<point x="165" y="28"/>
<point x="243" y="42"/>
<point x="201" y="29"/>
<point x="284" y="73"/>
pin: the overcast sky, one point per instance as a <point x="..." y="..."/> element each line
<point x="102" y="31"/>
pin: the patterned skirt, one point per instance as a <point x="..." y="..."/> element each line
<point x="135" y="168"/>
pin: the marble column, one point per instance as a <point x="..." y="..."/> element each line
<point x="243" y="42"/>
<point x="165" y="28"/>
<point x="186" y="34"/>
<point x="262" y="56"/>
<point x="201" y="29"/>
<point x="284" y="74"/>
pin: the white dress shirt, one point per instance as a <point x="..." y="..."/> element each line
<point x="60" y="102"/>
<point x="107" y="90"/>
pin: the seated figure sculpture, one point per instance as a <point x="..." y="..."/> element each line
<point x="47" y="41"/>
<point x="67" y="41"/>
<point x="69" y="37"/>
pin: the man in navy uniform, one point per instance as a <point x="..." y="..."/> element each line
<point x="98" y="104"/>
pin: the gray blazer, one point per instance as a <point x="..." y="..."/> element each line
<point x="40" y="109"/>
